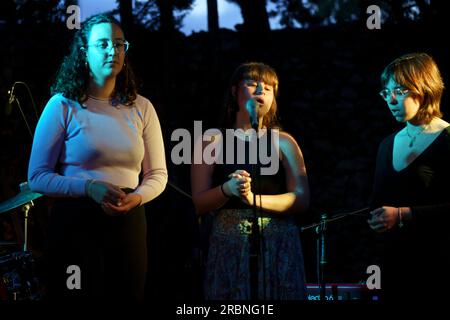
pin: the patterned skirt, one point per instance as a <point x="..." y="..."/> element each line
<point x="280" y="262"/>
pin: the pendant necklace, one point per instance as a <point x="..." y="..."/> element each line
<point x="413" y="137"/>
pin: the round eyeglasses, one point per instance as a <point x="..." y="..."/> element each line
<point x="106" y="45"/>
<point x="399" y="93"/>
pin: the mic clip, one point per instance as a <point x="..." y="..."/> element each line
<point x="11" y="95"/>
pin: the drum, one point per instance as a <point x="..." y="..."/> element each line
<point x="17" y="280"/>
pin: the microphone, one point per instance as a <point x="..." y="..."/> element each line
<point x="252" y="108"/>
<point x="11" y="100"/>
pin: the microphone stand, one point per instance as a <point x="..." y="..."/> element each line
<point x="13" y="98"/>
<point x="321" y="246"/>
<point x="320" y="230"/>
<point x="255" y="235"/>
<point x="25" y="208"/>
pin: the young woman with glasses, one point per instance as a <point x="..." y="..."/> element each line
<point x="98" y="148"/>
<point x="410" y="199"/>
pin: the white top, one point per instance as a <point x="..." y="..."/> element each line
<point x="115" y="144"/>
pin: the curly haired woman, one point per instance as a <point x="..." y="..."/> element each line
<point x="98" y="148"/>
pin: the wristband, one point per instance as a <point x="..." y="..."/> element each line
<point x="88" y="187"/>
<point x="399" y="214"/>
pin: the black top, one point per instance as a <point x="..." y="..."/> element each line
<point x="417" y="256"/>
<point x="269" y="184"/>
<point x="424" y="185"/>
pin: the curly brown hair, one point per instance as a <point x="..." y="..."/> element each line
<point x="256" y="71"/>
<point x="72" y="79"/>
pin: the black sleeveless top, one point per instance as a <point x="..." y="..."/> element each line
<point x="268" y="184"/>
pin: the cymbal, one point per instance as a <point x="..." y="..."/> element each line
<point x="25" y="196"/>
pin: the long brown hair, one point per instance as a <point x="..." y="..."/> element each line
<point x="72" y="79"/>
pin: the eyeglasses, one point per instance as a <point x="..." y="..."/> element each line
<point x="400" y="93"/>
<point x="106" y="45"/>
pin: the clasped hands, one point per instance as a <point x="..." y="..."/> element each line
<point x="113" y="200"/>
<point x="239" y="185"/>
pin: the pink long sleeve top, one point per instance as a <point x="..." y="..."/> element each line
<point x="74" y="143"/>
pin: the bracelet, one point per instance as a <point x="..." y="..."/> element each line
<point x="399" y="214"/>
<point x="88" y="187"/>
<point x="223" y="191"/>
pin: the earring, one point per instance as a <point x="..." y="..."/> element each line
<point x="86" y="64"/>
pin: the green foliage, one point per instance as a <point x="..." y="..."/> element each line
<point x="39" y="11"/>
<point x="294" y="13"/>
<point x="148" y="13"/>
<point x="307" y="13"/>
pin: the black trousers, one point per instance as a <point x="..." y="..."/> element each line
<point x="110" y="252"/>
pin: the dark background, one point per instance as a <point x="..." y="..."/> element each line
<point x="329" y="81"/>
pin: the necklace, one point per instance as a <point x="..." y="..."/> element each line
<point x="98" y="99"/>
<point x="414" y="136"/>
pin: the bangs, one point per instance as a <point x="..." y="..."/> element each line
<point x="262" y="74"/>
<point x="406" y="70"/>
<point x="399" y="72"/>
<point x="256" y="71"/>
